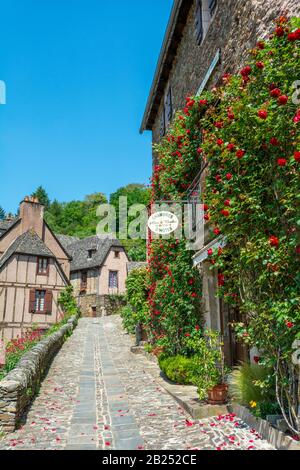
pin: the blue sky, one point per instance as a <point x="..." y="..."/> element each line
<point x="78" y="73"/>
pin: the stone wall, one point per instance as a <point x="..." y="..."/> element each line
<point x="18" y="388"/>
<point x="235" y="28"/>
<point x="100" y="305"/>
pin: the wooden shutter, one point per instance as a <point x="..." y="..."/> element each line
<point x="32" y="301"/>
<point x="198" y="22"/>
<point x="212" y="6"/>
<point x="48" y="301"/>
<point x="162" y="129"/>
<point x="168" y="107"/>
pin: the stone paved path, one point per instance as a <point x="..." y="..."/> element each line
<point x="97" y="395"/>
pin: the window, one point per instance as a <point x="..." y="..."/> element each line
<point x="40" y="301"/>
<point x="162" y="129"/>
<point x="168" y="107"/>
<point x="83" y="284"/>
<point x="90" y="254"/>
<point x="113" y="280"/>
<point x="199" y="22"/>
<point x="43" y="266"/>
<point x="116" y="254"/>
<point x="212" y="6"/>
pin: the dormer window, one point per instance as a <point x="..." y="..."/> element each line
<point x="116" y="254"/>
<point x="42" y="266"/>
<point x="91" y="254"/>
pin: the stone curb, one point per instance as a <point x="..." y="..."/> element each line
<point x="276" y="438"/>
<point x="19" y="386"/>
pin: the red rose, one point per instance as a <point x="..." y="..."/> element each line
<point x="231" y="147"/>
<point x="240" y="153"/>
<point x="217" y="231"/>
<point x="279" y="31"/>
<point x="292" y="37"/>
<point x="274" y="241"/>
<point x="219" y="124"/>
<point x="297" y="250"/>
<point x="203" y="102"/>
<point x="187" y="335"/>
<point x="221" y="280"/>
<point x="262" y="114"/>
<point x="206" y="217"/>
<point x="205" y="207"/>
<point x="230" y="115"/>
<point x="190" y="103"/>
<point x="225" y="212"/>
<point x="297" y="33"/>
<point x="274" y="141"/>
<point x="199" y="150"/>
<point x="289" y="324"/>
<point x="260" y="45"/>
<point x="194" y="295"/>
<point x="218" y="179"/>
<point x="246" y="71"/>
<point x="197" y="327"/>
<point x="256" y="359"/>
<point x="275" y="92"/>
<point x="281" y="161"/>
<point x="210" y="252"/>
<point x="297" y="156"/>
<point x="228" y="176"/>
<point x="220" y="142"/>
<point x="227" y="203"/>
<point x="283" y="99"/>
<point x="260" y="65"/>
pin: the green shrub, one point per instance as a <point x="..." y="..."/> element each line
<point x="129" y="319"/>
<point x="251" y="383"/>
<point x="179" y="369"/>
<point x="263" y="409"/>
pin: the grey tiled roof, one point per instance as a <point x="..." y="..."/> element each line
<point x="135" y="265"/>
<point x="6" y="224"/>
<point x="28" y="243"/>
<point x="66" y="240"/>
<point x="79" y="252"/>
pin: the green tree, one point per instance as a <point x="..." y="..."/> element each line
<point x="41" y="194"/>
<point x="2" y="213"/>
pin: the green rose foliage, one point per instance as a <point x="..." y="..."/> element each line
<point x="245" y="136"/>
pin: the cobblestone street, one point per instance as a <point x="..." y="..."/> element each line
<point x="98" y="395"/>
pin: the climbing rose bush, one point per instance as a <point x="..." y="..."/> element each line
<point x="245" y="135"/>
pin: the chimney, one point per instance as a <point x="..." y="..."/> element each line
<point x="32" y="215"/>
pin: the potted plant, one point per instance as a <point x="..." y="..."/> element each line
<point x="217" y="395"/>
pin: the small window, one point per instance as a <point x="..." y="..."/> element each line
<point x="83" y="284"/>
<point x="168" y="108"/>
<point x="40" y="304"/>
<point x="116" y="254"/>
<point x="90" y="254"/>
<point x="113" y="280"/>
<point x="162" y="129"/>
<point x="43" y="266"/>
<point x="199" y="22"/>
<point x="212" y="6"/>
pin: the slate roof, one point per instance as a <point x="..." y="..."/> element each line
<point x="79" y="252"/>
<point x="135" y="265"/>
<point x="28" y="243"/>
<point x="7" y="224"/>
<point x="66" y="240"/>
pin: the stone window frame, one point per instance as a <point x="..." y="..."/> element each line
<point x="115" y="281"/>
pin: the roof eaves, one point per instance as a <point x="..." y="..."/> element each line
<point x="168" y="51"/>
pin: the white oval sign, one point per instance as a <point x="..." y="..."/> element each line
<point x="163" y="223"/>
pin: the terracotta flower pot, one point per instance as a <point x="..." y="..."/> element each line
<point x="218" y="394"/>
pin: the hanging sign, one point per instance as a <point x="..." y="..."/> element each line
<point x="163" y="223"/>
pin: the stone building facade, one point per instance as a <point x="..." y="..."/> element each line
<point x="204" y="40"/>
<point x="98" y="273"/>
<point x="34" y="268"/>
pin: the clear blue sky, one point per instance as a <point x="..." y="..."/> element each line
<point x="78" y="73"/>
